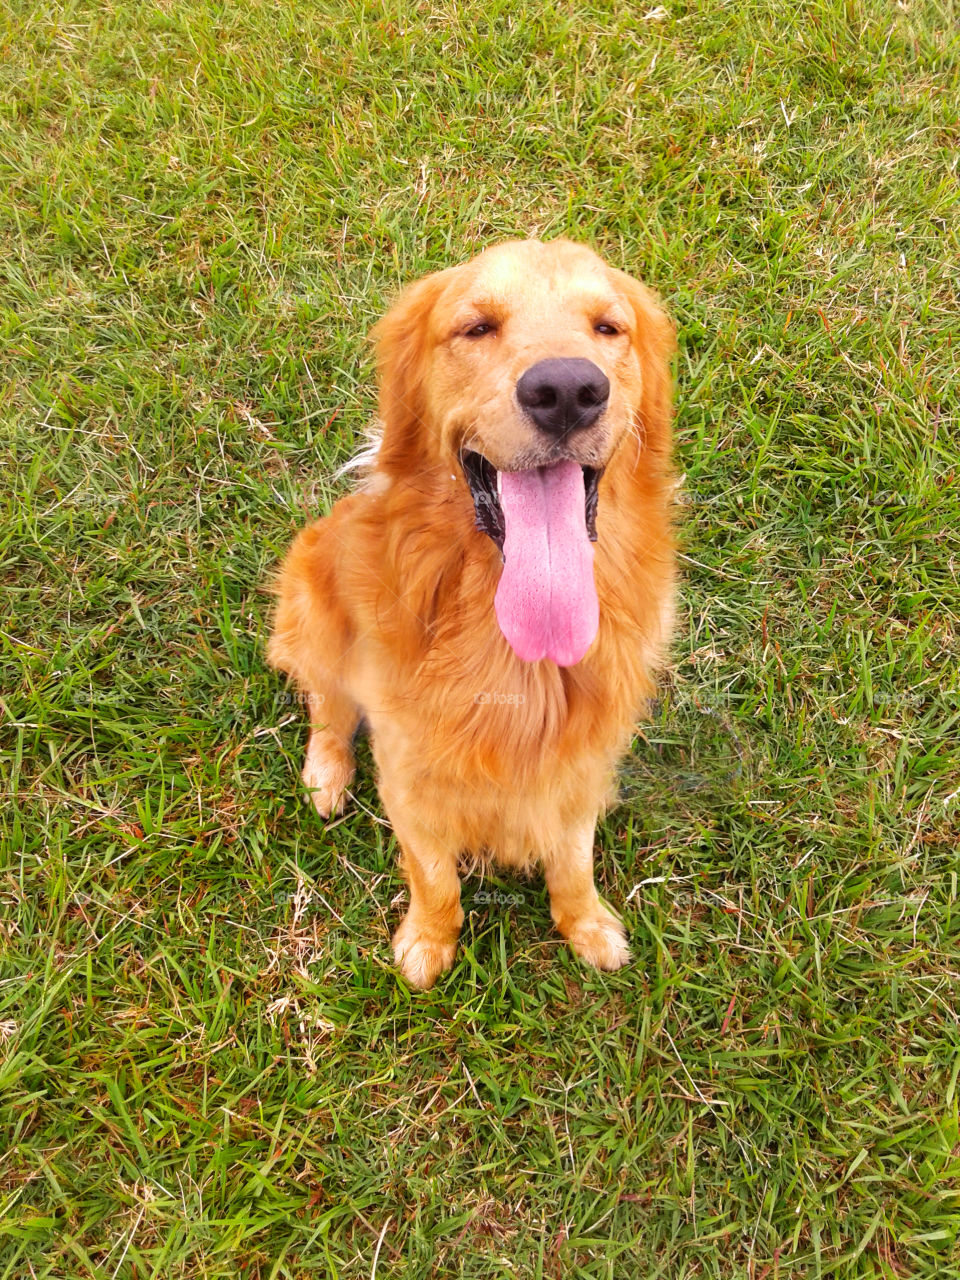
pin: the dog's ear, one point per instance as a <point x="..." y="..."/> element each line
<point x="402" y="339"/>
<point x="655" y="342"/>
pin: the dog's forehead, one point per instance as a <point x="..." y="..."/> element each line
<point x="528" y="280"/>
<point x="513" y="272"/>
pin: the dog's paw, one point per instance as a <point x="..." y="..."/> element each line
<point x="600" y="940"/>
<point x="420" y="958"/>
<point x="327" y="773"/>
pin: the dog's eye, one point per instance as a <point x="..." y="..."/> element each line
<point x="608" y="330"/>
<point x="480" y="330"/>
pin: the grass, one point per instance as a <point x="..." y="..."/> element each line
<point x="210" y="1067"/>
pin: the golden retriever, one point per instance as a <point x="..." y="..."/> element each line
<point x="494" y="597"/>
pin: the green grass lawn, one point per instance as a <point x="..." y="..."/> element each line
<point x="210" y="1067"/>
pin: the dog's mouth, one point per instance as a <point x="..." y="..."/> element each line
<point x="484" y="481"/>
<point x="543" y="519"/>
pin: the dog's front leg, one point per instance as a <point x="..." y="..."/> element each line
<point x="426" y="942"/>
<point x="329" y="767"/>
<point x="595" y="934"/>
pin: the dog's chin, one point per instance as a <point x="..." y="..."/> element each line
<point x="483" y="479"/>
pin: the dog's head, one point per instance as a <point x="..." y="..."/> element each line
<point x="530" y="354"/>
<point x="526" y="370"/>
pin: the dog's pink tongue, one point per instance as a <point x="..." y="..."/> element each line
<point x="546" y="602"/>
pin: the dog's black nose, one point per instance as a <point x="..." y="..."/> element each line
<point x="562" y="395"/>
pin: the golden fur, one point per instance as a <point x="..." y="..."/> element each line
<point x="386" y="611"/>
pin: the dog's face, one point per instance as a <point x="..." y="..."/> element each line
<point x="526" y="370"/>
<point x="531" y="358"/>
<point x="530" y="354"/>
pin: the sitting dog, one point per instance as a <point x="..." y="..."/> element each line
<point x="493" y="599"/>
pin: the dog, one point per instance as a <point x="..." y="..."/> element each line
<point x="494" y="599"/>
